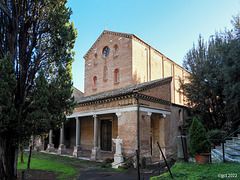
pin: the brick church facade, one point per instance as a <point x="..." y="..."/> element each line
<point x="131" y="91"/>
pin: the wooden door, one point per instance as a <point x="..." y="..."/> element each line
<point x="106" y="135"/>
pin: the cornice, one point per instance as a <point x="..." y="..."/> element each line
<point x="105" y="100"/>
<point x="153" y="99"/>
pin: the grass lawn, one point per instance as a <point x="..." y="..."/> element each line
<point x="194" y="171"/>
<point x="62" y="166"/>
<point x="63" y="170"/>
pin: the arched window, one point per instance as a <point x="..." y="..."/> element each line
<point x="116" y="50"/>
<point x="95" y="82"/>
<point x="95" y="59"/>
<point x="116" y="76"/>
<point x="105" y="73"/>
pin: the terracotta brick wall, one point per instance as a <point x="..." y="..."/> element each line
<point x="149" y="64"/>
<point x="137" y="62"/>
<point x="122" y="61"/>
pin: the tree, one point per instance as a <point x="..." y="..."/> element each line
<point x="205" y="87"/>
<point x="231" y="71"/>
<point x="38" y="35"/>
<point x="214" y="82"/>
<point x="8" y="114"/>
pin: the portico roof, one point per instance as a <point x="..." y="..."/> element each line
<point x="125" y="91"/>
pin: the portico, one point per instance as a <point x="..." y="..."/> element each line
<point x="98" y="119"/>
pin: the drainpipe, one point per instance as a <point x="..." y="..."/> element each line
<point x="138" y="137"/>
<point x="138" y="125"/>
<point x="138" y="121"/>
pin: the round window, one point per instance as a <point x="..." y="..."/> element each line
<point x="106" y="51"/>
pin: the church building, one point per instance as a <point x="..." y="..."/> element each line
<point x="131" y="91"/>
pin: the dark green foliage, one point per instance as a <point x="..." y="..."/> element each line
<point x="198" y="141"/>
<point x="42" y="58"/>
<point x="36" y="91"/>
<point x="108" y="161"/>
<point x="105" y="165"/>
<point x="214" y="80"/>
<point x="231" y="72"/>
<point x="39" y="116"/>
<point x="204" y="89"/>
<point x="216" y="134"/>
<point x="8" y="85"/>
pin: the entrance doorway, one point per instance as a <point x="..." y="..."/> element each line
<point x="106" y="135"/>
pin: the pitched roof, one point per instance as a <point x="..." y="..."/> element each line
<point x="127" y="35"/>
<point x="125" y="91"/>
<point x="107" y="32"/>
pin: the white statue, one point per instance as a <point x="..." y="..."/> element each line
<point x="118" y="143"/>
<point x="118" y="157"/>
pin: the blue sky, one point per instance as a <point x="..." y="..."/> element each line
<point x="170" y="26"/>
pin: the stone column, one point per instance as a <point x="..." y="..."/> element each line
<point x="96" y="153"/>
<point x="62" y="148"/>
<point x="50" y="147"/>
<point x="77" y="149"/>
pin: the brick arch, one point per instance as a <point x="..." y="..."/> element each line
<point x="116" y="50"/>
<point x="116" y="75"/>
<point x="95" y="58"/>
<point x="94" y="82"/>
<point x="105" y="73"/>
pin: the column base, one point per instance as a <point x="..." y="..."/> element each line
<point x="96" y="154"/>
<point x="50" y="148"/>
<point x="62" y="149"/>
<point x="77" y="151"/>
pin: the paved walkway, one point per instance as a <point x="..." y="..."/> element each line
<point x="108" y="175"/>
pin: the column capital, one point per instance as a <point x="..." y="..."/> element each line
<point x="95" y="116"/>
<point x="149" y="113"/>
<point x="118" y="114"/>
<point x="164" y="115"/>
<point x="76" y="118"/>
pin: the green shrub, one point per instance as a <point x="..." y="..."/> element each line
<point x="127" y="164"/>
<point x="216" y="134"/>
<point x="108" y="161"/>
<point x="198" y="141"/>
<point x="103" y="165"/>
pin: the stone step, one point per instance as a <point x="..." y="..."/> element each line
<point x="231" y="149"/>
<point x="235" y="147"/>
<point x="232" y="143"/>
<point x="236" y="139"/>
<point x="217" y="156"/>
<point x="218" y="147"/>
<point x="233" y="154"/>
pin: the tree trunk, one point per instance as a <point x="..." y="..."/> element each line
<point x="7" y="159"/>
<point x="29" y="158"/>
<point x="21" y="153"/>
